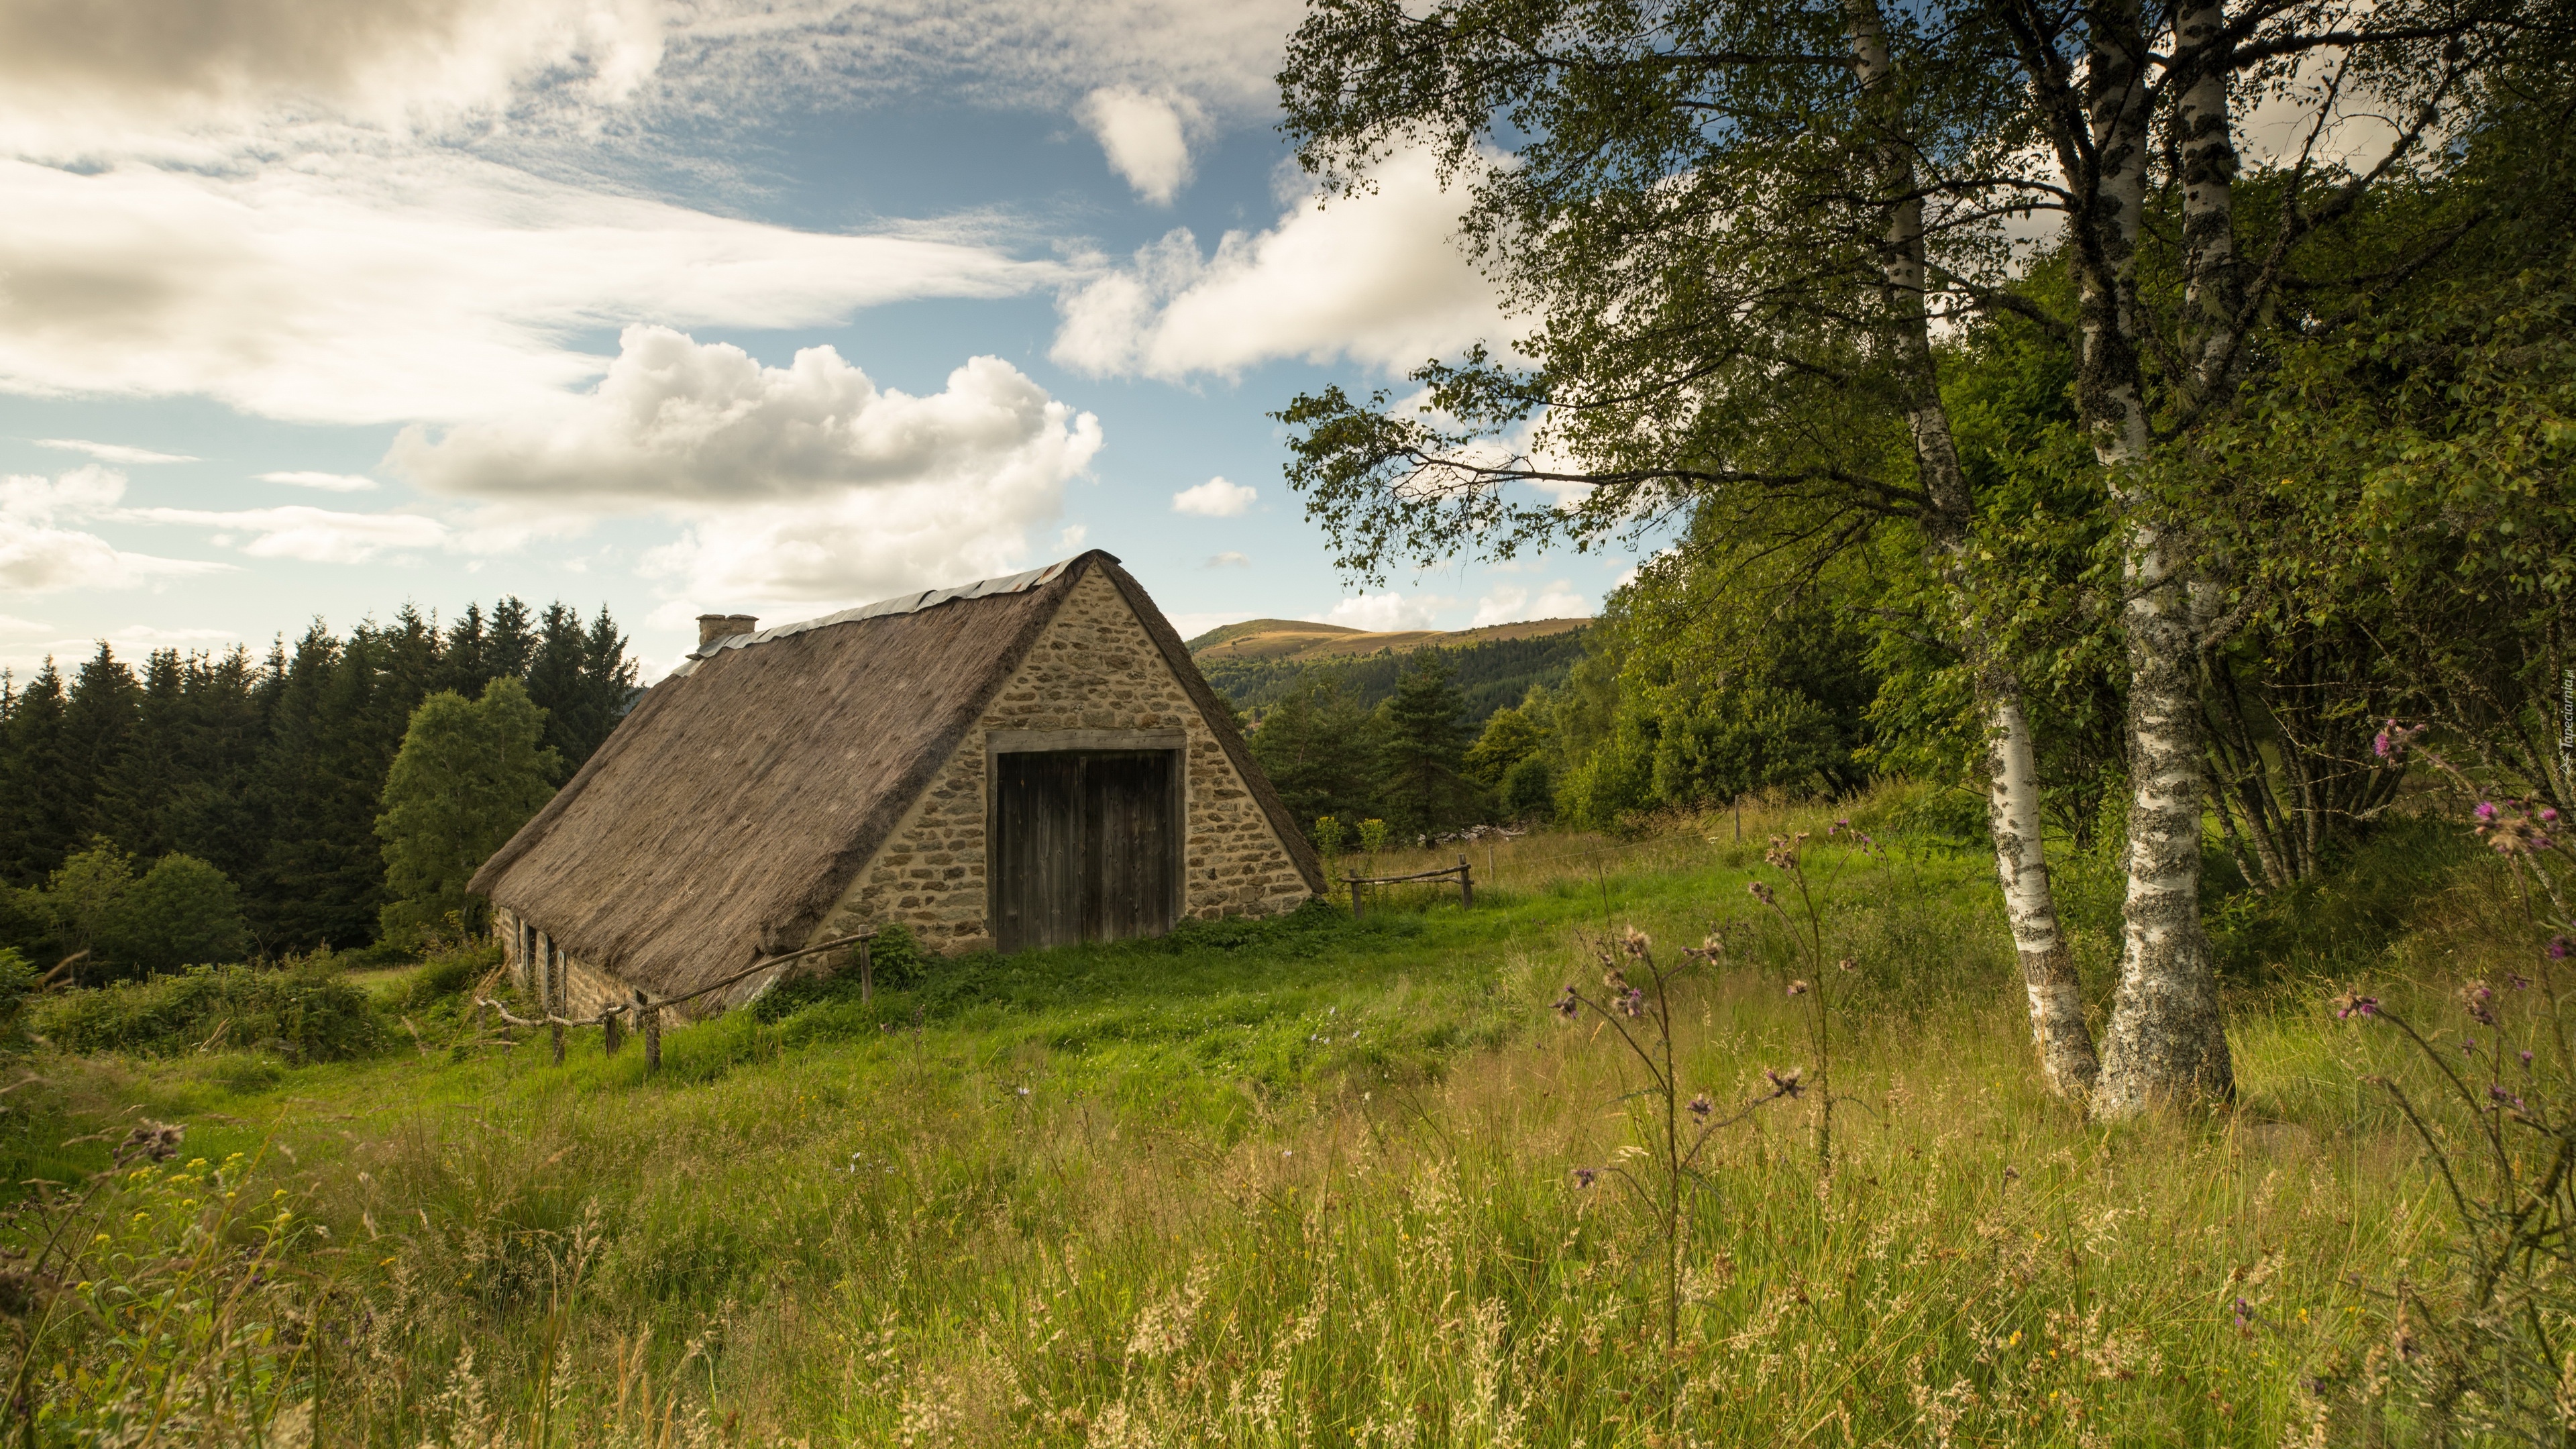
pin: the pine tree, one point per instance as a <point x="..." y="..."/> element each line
<point x="100" y="718"/>
<point x="1320" y="750"/>
<point x="39" y="815"/>
<point x="1425" y="746"/>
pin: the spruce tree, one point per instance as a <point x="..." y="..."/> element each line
<point x="39" y="813"/>
<point x="1425" y="746"/>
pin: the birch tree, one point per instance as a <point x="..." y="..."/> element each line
<point x="1736" y="232"/>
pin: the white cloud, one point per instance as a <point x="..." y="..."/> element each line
<point x="1388" y="612"/>
<point x="312" y="535"/>
<point x="366" y="290"/>
<point x="679" y="421"/>
<point x="1374" y="278"/>
<point x="113" y="452"/>
<point x="1145" y="138"/>
<point x="327" y="482"/>
<point x="38" y="557"/>
<point x="1228" y="560"/>
<point x="806" y="485"/>
<point x="1510" y="604"/>
<point x="1216" y="498"/>
<point x="1070" y="540"/>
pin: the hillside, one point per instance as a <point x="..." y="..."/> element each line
<point x="1260" y="1182"/>
<point x="1261" y="661"/>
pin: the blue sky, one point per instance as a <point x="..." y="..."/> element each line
<point x="680" y="305"/>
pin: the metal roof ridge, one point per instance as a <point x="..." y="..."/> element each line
<point x="911" y="603"/>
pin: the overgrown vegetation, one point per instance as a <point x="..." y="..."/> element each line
<point x="1297" y="1181"/>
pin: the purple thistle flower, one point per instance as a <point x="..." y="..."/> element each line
<point x="2501" y="1095"/>
<point x="2244" y="1315"/>
<point x="2380" y="745"/>
<point x="2352" y="1004"/>
<point x="1701" y="1106"/>
<point x="2517" y="981"/>
<point x="2526" y="1058"/>
<point x="1634" y="1003"/>
<point x="1585" y="1177"/>
<point x="2486" y="810"/>
<point x="1798" y="988"/>
<point x="2469" y="1045"/>
<point x="1760" y="892"/>
<point x="2549" y="814"/>
<point x="1784" y="1086"/>
<point x="1569" y="1005"/>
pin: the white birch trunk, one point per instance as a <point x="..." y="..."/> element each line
<point x="2167" y="1041"/>
<point x="2057" y="1024"/>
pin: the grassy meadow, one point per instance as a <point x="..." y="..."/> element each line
<point x="1310" y="1181"/>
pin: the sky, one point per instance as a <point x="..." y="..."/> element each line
<point x="314" y="308"/>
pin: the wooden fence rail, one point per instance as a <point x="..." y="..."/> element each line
<point x="648" y="1012"/>
<point x="1461" y="872"/>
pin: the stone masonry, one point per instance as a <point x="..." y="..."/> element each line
<point x="1093" y="668"/>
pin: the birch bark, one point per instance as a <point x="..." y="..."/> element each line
<point x="2166" y="1041"/>
<point x="2065" y="1045"/>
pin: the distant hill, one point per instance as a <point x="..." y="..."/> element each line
<point x="1260" y="661"/>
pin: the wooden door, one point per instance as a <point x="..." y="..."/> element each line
<point x="1086" y="846"/>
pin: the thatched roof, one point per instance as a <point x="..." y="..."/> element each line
<point x="741" y="796"/>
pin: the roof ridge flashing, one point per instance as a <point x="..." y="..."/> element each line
<point x="912" y="603"/>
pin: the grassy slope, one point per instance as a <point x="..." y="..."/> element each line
<point x="1310" y="1183"/>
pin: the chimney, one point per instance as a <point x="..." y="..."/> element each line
<point x="712" y="627"/>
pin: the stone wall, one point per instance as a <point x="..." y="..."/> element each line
<point x="589" y="988"/>
<point x="1094" y="668"/>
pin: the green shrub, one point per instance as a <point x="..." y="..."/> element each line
<point x="182" y="912"/>
<point x="308" y="1011"/>
<point x="896" y="961"/>
<point x="18" y="982"/>
<point x="448" y="974"/>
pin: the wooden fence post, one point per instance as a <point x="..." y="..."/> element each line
<point x="613" y="1034"/>
<point x="559" y="992"/>
<point x="1466" y="886"/>
<point x="652" y="1034"/>
<point x="1355" y="900"/>
<point x="867" y="976"/>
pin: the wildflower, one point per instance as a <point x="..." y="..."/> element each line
<point x="2499" y="1094"/>
<point x="1569" y="1005"/>
<point x="2469" y="1045"/>
<point x="1635" y="942"/>
<point x="2244" y="1315"/>
<point x="1846" y="964"/>
<point x="1711" y="947"/>
<point x="1585" y="1176"/>
<point x="1614" y="981"/>
<point x="2549" y="814"/>
<point x="2486" y="811"/>
<point x="1798" y="988"/>
<point x="1785" y="1086"/>
<point x="1761" y="892"/>
<point x="2526" y="1057"/>
<point x="2559" y="947"/>
<point x="2517" y="981"/>
<point x="2353" y="1003"/>
<point x="2011" y="1173"/>
<point x="1701" y="1106"/>
<point x="2474" y="998"/>
<point x="1634" y="1003"/>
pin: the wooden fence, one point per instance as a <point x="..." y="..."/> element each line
<point x="1460" y="872"/>
<point x="553" y="988"/>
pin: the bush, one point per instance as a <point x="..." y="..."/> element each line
<point x="18" y="982"/>
<point x="448" y="974"/>
<point x="1529" y="790"/>
<point x="182" y="912"/>
<point x="895" y="961"/>
<point x="308" y="1011"/>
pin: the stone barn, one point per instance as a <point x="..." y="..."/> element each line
<point x="1025" y="761"/>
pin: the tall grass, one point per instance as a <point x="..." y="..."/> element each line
<point x="1311" y="1182"/>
